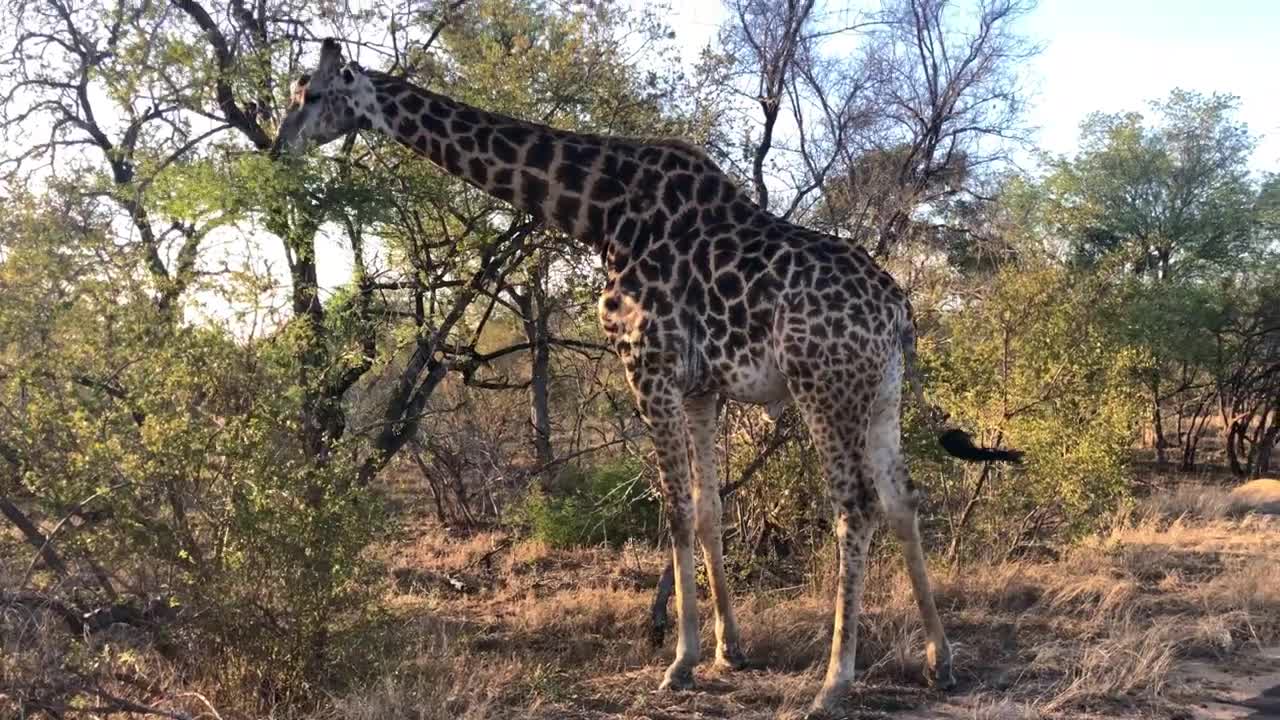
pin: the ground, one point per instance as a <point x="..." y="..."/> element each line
<point x="1174" y="613"/>
<point x="1171" y="613"/>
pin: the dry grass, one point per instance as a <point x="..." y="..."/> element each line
<point x="1262" y="494"/>
<point x="543" y="633"/>
<point x="1098" y="633"/>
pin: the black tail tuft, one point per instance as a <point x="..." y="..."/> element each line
<point x="958" y="443"/>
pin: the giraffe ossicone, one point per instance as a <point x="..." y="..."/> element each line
<point x="706" y="296"/>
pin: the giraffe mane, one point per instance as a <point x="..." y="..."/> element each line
<point x="697" y="152"/>
<point x="694" y="151"/>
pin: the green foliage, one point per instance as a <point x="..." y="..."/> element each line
<point x="611" y="503"/>
<point x="1036" y="364"/>
<point x="1164" y="209"/>
<point x="1173" y="198"/>
<point x="571" y="73"/>
<point x="182" y="445"/>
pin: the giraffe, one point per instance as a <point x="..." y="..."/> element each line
<point x="706" y="296"/>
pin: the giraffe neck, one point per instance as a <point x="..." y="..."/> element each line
<point x="551" y="174"/>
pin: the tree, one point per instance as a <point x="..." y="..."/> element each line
<point x="102" y="80"/>
<point x="858" y="142"/>
<point x="1172" y="197"/>
<point x="1172" y="200"/>
<point x="1033" y="359"/>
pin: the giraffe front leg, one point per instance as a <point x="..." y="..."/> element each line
<point x="679" y="674"/>
<point x="708" y="516"/>
<point x="663" y="410"/>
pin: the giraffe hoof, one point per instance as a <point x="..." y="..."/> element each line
<point x="937" y="667"/>
<point x="827" y="706"/>
<point x="731" y="658"/>
<point x="940" y="677"/>
<point x="678" y="677"/>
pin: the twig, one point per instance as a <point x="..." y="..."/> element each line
<point x="34" y="537"/>
<point x="204" y="700"/>
<point x="485" y="558"/>
<point x="48" y="543"/>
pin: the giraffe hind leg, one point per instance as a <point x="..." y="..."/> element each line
<point x="836" y="414"/>
<point x="899" y="501"/>
<point x="938" y="668"/>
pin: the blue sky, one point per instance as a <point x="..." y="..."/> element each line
<point x="1116" y="55"/>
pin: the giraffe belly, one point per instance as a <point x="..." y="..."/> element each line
<point x="759" y="382"/>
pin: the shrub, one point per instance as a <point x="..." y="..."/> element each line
<point x="170" y="461"/>
<point x="1037" y="363"/>
<point x="610" y="503"/>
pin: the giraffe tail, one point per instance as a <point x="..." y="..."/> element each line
<point x="955" y="441"/>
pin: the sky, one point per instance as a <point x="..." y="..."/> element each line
<point x="1116" y="55"/>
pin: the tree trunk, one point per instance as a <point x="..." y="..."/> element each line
<point x="537" y="322"/>
<point x="1157" y="424"/>
<point x="1192" y="441"/>
<point x="34" y="537"/>
<point x="1235" y="441"/>
<point x="1265" y="448"/>
<point x="460" y="491"/>
<point x="321" y="417"/>
<point x="540" y="397"/>
<point x="437" y="493"/>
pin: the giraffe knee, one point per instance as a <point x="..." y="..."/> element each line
<point x="680" y="513"/>
<point x="708" y="514"/>
<point x="903" y="524"/>
<point x="681" y="530"/>
<point x="857" y="522"/>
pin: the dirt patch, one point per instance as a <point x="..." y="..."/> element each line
<point x="1158" y="618"/>
<point x="1237" y="692"/>
<point x="1119" y="626"/>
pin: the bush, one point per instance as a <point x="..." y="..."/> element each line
<point x="174" y="454"/>
<point x="1036" y="363"/>
<point x="611" y="503"/>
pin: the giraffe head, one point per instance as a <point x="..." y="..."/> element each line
<point x="327" y="103"/>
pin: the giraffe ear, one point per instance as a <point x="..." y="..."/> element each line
<point x="330" y="58"/>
